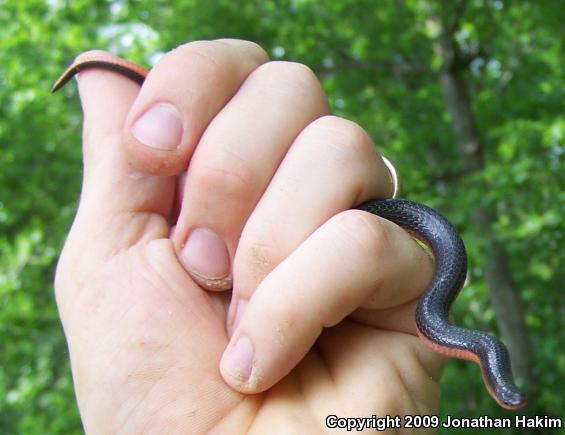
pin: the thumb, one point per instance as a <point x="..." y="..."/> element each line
<point x="111" y="185"/>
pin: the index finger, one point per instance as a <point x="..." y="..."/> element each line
<point x="167" y="120"/>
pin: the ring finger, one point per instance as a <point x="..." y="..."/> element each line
<point x="332" y="166"/>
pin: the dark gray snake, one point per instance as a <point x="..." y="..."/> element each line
<point x="433" y="308"/>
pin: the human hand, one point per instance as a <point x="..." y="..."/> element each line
<point x="258" y="196"/>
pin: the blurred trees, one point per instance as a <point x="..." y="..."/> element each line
<point x="497" y="173"/>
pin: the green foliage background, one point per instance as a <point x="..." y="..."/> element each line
<point x="377" y="63"/>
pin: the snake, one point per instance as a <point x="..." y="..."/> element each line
<point x="433" y="324"/>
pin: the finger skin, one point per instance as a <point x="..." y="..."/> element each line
<point x="331" y="166"/>
<point x="197" y="79"/>
<point x="324" y="280"/>
<point x="241" y="150"/>
<point x="111" y="186"/>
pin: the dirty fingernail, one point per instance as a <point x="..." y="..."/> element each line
<point x="205" y="256"/>
<point x="237" y="362"/>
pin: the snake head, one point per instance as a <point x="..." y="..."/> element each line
<point x="510" y="398"/>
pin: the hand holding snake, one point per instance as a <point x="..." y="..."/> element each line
<point x="247" y="179"/>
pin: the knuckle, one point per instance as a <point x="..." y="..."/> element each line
<point x="289" y="74"/>
<point x="262" y="258"/>
<point x="251" y="48"/>
<point x="296" y="71"/>
<point x="208" y="64"/>
<point x="202" y="54"/>
<point x="234" y="179"/>
<point x="348" y="138"/>
<point x="262" y="244"/>
<point x="263" y="247"/>
<point x="365" y="233"/>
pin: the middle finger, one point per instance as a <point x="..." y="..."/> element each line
<point x="234" y="162"/>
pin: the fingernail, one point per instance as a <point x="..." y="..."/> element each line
<point x="160" y="127"/>
<point x="239" y="311"/>
<point x="205" y="256"/>
<point x="238" y="361"/>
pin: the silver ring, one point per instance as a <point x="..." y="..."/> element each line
<point x="394" y="180"/>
